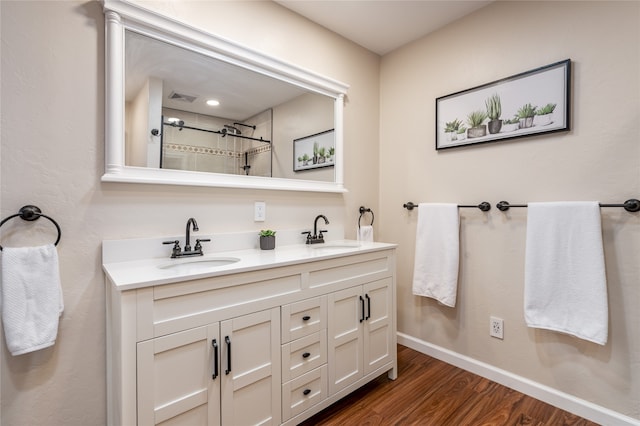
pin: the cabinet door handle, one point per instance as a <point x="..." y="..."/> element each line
<point x="306" y="355"/>
<point x="306" y="391"/>
<point x="214" y="343"/>
<point x="228" y="342"/>
<point x="306" y="318"/>
<point x="368" y="306"/>
<point x="362" y="306"/>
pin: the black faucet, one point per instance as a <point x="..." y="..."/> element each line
<point x="317" y="236"/>
<point x="197" y="250"/>
<point x="187" y="240"/>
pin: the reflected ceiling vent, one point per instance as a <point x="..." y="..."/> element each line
<point x="182" y="97"/>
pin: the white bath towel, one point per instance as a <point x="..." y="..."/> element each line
<point x="31" y="297"/>
<point x="565" y="283"/>
<point x="437" y="253"/>
<point x="365" y="233"/>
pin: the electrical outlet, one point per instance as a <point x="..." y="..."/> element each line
<point x="496" y="327"/>
<point x="259" y="211"/>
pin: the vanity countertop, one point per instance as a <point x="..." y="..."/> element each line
<point x="133" y="274"/>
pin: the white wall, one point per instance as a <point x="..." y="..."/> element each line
<point x="599" y="159"/>
<point x="52" y="104"/>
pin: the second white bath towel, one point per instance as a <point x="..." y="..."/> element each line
<point x="437" y="253"/>
<point x="565" y="286"/>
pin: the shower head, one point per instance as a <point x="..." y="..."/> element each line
<point x="232" y="130"/>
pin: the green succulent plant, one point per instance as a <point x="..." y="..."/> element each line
<point x="452" y="126"/>
<point x="547" y="109"/>
<point x="461" y="130"/>
<point x="526" y="110"/>
<point x="494" y="107"/>
<point x="476" y="118"/>
<point x="267" y="233"/>
<point x="513" y="120"/>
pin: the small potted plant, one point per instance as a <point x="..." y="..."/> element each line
<point x="510" y="125"/>
<point x="451" y="129"/>
<point x="494" y="111"/>
<point x="267" y="239"/>
<point x="476" y="128"/>
<point x="525" y="115"/>
<point x="544" y="114"/>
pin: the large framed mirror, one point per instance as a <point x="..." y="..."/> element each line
<point x="185" y="107"/>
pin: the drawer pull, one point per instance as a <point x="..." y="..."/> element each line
<point x="306" y="391"/>
<point x="306" y="318"/>
<point x="306" y="355"/>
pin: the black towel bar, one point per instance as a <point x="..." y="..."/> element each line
<point x="484" y="206"/>
<point x="632" y="205"/>
<point x="31" y="213"/>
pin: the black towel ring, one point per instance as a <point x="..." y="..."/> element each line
<point x="31" y="213"/>
<point x="362" y="211"/>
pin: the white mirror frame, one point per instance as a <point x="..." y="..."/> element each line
<point x="121" y="15"/>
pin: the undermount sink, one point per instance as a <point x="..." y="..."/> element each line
<point x="336" y="245"/>
<point x="198" y="264"/>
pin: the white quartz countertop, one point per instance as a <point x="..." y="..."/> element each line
<point x="133" y="274"/>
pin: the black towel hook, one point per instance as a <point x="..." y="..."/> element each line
<point x="31" y="213"/>
<point x="362" y="211"/>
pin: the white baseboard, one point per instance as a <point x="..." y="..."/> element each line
<point x="564" y="401"/>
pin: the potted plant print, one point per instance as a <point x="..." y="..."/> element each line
<point x="525" y="116"/>
<point x="544" y="114"/>
<point x="510" y="125"/>
<point x="476" y="128"/>
<point x="494" y="111"/>
<point x="451" y="129"/>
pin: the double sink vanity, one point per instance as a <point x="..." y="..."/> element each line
<point x="244" y="336"/>
<point x="237" y="335"/>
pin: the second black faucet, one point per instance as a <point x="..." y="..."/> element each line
<point x="317" y="236"/>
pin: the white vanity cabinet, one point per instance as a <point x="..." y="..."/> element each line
<point x="269" y="343"/>
<point x="222" y="373"/>
<point x="361" y="332"/>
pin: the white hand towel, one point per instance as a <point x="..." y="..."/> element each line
<point x="365" y="233"/>
<point x="565" y="283"/>
<point x="31" y="297"/>
<point x="437" y="253"/>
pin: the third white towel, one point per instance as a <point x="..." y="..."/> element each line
<point x="437" y="253"/>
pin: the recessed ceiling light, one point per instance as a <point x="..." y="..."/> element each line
<point x="213" y="102"/>
<point x="173" y="120"/>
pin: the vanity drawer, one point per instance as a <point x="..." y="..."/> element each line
<point x="303" y="355"/>
<point x="304" y="392"/>
<point x="303" y="318"/>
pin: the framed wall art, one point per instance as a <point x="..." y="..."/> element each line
<point x="525" y="104"/>
<point x="315" y="151"/>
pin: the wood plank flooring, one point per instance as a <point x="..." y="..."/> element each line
<point x="429" y="392"/>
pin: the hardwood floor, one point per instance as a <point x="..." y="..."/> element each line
<point x="429" y="392"/>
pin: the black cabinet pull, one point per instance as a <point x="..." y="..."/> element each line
<point x="362" y="306"/>
<point x="368" y="306"/>
<point x="306" y="355"/>
<point x="214" y="343"/>
<point x="306" y="318"/>
<point x="306" y="391"/>
<point x="228" y="342"/>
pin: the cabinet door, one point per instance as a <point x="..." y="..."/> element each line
<point x="175" y="379"/>
<point x="345" y="317"/>
<point x="251" y="369"/>
<point x="378" y="333"/>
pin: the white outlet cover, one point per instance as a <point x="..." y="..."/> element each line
<point x="260" y="211"/>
